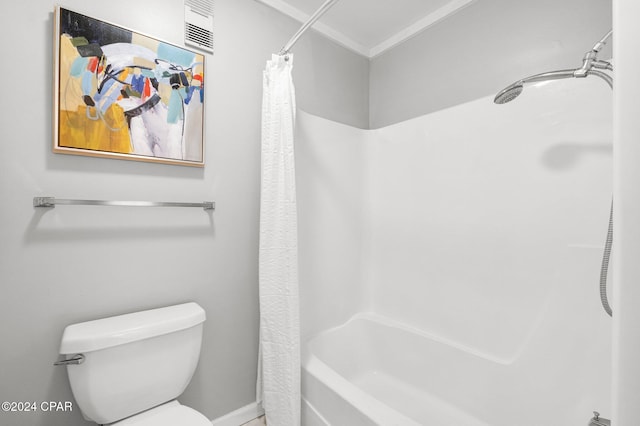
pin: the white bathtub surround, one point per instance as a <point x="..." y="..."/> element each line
<point x="331" y="203"/>
<point x="350" y="377"/>
<point x="482" y="229"/>
<point x="278" y="385"/>
<point x="391" y="384"/>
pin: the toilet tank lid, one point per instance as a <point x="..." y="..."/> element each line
<point x="118" y="330"/>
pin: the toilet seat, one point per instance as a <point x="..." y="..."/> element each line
<point x="170" y="414"/>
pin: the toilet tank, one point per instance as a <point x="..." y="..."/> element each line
<point x="133" y="362"/>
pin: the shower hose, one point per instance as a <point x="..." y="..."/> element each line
<point x="604" y="269"/>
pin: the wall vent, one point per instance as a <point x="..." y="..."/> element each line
<point x="198" y="24"/>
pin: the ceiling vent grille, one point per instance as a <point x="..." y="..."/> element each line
<point x="198" y="24"/>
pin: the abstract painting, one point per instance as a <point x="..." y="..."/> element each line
<point x="121" y="94"/>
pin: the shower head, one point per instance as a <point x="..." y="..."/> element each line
<point x="589" y="62"/>
<point x="512" y="91"/>
<point x="509" y="93"/>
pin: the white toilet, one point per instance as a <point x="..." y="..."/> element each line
<point x="128" y="370"/>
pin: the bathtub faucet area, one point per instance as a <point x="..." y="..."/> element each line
<point x="598" y="421"/>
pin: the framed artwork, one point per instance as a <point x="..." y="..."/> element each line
<point x="121" y="94"/>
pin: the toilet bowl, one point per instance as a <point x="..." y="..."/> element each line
<point x="128" y="370"/>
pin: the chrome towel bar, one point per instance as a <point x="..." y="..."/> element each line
<point x="52" y="202"/>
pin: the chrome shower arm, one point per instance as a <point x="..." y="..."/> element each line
<point x="552" y="75"/>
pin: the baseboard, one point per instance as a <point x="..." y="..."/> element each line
<point x="239" y="416"/>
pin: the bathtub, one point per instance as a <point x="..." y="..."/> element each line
<point x="375" y="371"/>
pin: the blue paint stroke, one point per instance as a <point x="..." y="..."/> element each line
<point x="175" y="106"/>
<point x="107" y="97"/>
<point x="137" y="82"/>
<point x="78" y="66"/>
<point x="190" y="94"/>
<point x="175" y="55"/>
<point x="87" y="83"/>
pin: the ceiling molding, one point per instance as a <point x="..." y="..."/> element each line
<point x="327" y="31"/>
<point x="370" y="52"/>
<point x="431" y="19"/>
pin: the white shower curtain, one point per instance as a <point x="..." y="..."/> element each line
<point x="278" y="384"/>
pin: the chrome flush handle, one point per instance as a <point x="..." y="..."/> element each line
<point x="74" y="360"/>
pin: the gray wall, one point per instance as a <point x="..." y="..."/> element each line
<point x="72" y="264"/>
<point x="480" y="50"/>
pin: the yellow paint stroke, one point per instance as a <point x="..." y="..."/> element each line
<point x="144" y="63"/>
<point x="145" y="41"/>
<point x="70" y="87"/>
<point x="199" y="68"/>
<point x="164" y="91"/>
<point x="78" y="131"/>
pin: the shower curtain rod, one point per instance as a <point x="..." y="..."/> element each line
<point x="321" y="11"/>
<point x="51" y="202"/>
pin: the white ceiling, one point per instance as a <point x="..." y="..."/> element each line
<point x="370" y="27"/>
